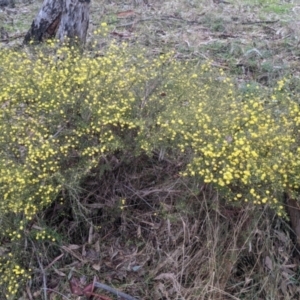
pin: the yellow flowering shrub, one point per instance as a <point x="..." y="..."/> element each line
<point x="13" y="276"/>
<point x="61" y="111"/>
<point x="245" y="144"/>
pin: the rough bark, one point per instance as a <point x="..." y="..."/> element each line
<point x="61" y="18"/>
<point x="9" y="3"/>
<point x="74" y="20"/>
<point x="49" y="14"/>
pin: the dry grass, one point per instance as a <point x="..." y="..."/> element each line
<point x="256" y="40"/>
<point x="169" y="239"/>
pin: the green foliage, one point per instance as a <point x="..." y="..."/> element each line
<point x="62" y="111"/>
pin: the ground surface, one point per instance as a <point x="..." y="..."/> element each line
<point x="257" y="40"/>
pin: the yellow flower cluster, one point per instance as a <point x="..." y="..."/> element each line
<point x="12" y="275"/>
<point x="245" y="145"/>
<point x="61" y="111"/>
<point x="43" y="235"/>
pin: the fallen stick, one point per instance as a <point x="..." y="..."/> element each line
<point x="258" y="22"/>
<point x="113" y="291"/>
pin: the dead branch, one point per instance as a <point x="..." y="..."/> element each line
<point x="114" y="291"/>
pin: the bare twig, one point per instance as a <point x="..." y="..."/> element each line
<point x="163" y="18"/>
<point x="113" y="291"/>
<point x="42" y="271"/>
<point x="54" y="261"/>
<point x="29" y="293"/>
<point x="58" y="293"/>
<point x="14" y="37"/>
<point x="259" y="22"/>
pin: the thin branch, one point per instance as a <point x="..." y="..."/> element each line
<point x="58" y="293"/>
<point x="54" y="261"/>
<point x="113" y="291"/>
<point x="259" y="22"/>
<point x="42" y="271"/>
<point x="14" y="37"/>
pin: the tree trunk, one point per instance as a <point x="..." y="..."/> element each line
<point x="9" y="3"/>
<point x="61" y="18"/>
<point x="75" y="20"/>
